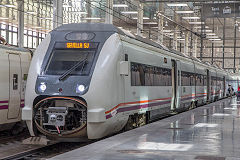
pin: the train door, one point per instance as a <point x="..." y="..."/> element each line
<point x="208" y="86"/>
<point x="14" y="86"/>
<point x="174" y="102"/>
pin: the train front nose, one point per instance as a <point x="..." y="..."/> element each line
<point x="61" y="117"/>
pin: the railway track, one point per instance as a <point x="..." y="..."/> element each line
<point x="6" y="137"/>
<point x="45" y="152"/>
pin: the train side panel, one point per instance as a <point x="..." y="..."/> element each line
<point x="34" y="71"/>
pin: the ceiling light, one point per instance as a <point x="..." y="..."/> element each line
<point x="92" y="18"/>
<point x="129" y="12"/>
<point x="199" y="27"/>
<point x="184" y="12"/>
<point x="66" y="5"/>
<point x="10" y="5"/>
<point x="143" y="18"/>
<point x="181" y="39"/>
<point x="120" y="5"/>
<point x="211" y="34"/>
<point x="3" y="18"/>
<point x="177" y="4"/>
<point x="82" y="12"/>
<point x="218" y="39"/>
<point x="212" y="37"/>
<point x="196" y="23"/>
<point x="31" y="12"/>
<point x="207" y="31"/>
<point x="167" y="31"/>
<point x="166" y="24"/>
<point x="191" y="17"/>
<point x="151" y="23"/>
<point x="37" y="27"/>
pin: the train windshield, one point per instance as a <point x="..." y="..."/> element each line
<point x="63" y="60"/>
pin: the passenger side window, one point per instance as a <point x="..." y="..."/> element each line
<point x="147" y="75"/>
<point x="15" y="81"/>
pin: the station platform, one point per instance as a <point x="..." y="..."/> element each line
<point x="210" y="132"/>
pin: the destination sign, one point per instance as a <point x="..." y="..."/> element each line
<point x="76" y="45"/>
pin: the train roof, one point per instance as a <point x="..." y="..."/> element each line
<point x="13" y="48"/>
<point x="101" y="27"/>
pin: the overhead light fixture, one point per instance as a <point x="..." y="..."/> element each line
<point x="207" y="31"/>
<point x="37" y="27"/>
<point x="196" y="22"/>
<point x="120" y="5"/>
<point x="166" y="23"/>
<point x="170" y="34"/>
<point x="3" y="18"/>
<point x="184" y="12"/>
<point x="129" y="12"/>
<point x="92" y="18"/>
<point x="199" y="27"/>
<point x="143" y="18"/>
<point x="66" y="5"/>
<point x="82" y="12"/>
<point x="211" y="34"/>
<point x="218" y="39"/>
<point x="10" y="6"/>
<point x="151" y="23"/>
<point x="191" y="17"/>
<point x="31" y="12"/>
<point x="177" y="4"/>
<point x="181" y="39"/>
<point x="49" y="18"/>
<point x="167" y="31"/>
<point x="212" y="37"/>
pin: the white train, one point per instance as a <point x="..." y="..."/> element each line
<point x="14" y="65"/>
<point x="92" y="80"/>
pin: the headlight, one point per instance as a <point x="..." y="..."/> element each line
<point x="80" y="88"/>
<point x="42" y="87"/>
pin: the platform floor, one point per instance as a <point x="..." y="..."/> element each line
<point x="210" y="132"/>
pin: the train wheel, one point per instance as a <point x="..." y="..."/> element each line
<point x="136" y="120"/>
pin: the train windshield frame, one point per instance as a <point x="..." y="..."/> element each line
<point x="62" y="60"/>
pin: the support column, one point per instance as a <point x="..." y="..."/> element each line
<point x="224" y="24"/>
<point x="140" y="20"/>
<point x="212" y="52"/>
<point x="109" y="12"/>
<point x="195" y="47"/>
<point x="160" y="29"/>
<point x="57" y="13"/>
<point x="20" y="23"/>
<point x="186" y="43"/>
<point x="234" y="49"/>
<point x="175" y="35"/>
<point x="160" y="24"/>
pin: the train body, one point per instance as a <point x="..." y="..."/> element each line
<point x="14" y="64"/>
<point x="92" y="80"/>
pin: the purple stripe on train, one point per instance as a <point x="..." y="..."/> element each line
<point x="125" y="109"/>
<point x="3" y="101"/>
<point x="4" y="107"/>
<point x="146" y="106"/>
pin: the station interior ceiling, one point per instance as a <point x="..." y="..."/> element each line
<point x="208" y="30"/>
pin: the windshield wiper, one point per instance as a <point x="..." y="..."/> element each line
<point x="65" y="74"/>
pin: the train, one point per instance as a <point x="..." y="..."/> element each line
<point x="14" y="65"/>
<point x="91" y="80"/>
